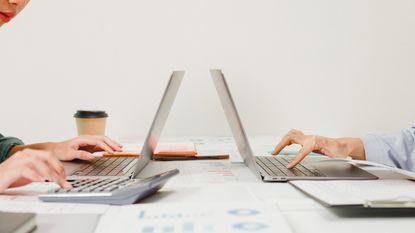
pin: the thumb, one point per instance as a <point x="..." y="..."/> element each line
<point x="83" y="155"/>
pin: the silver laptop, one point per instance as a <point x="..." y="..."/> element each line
<point x="273" y="169"/>
<point x="130" y="166"/>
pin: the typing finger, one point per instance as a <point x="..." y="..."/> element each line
<point x="102" y="145"/>
<point x="292" y="137"/>
<point x="99" y="141"/>
<point x="114" y="145"/>
<point x="115" y="142"/>
<point x="54" y="164"/>
<point x="95" y="142"/>
<point x="286" y="141"/>
<point x="41" y="168"/>
<point x="52" y="169"/>
<point x="305" y="150"/>
<point x="46" y="169"/>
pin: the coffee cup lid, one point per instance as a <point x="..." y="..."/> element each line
<point x="90" y="114"/>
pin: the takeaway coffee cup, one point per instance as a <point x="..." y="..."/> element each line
<point x="91" y="122"/>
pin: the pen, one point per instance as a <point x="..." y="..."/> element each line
<point x="116" y="154"/>
<point x="172" y="158"/>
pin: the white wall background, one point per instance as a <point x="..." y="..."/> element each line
<point x="324" y="66"/>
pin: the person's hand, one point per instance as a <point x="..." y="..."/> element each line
<point x="80" y="147"/>
<point x="27" y="166"/>
<point x="339" y="148"/>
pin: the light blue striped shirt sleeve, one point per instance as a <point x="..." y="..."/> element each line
<point x="397" y="150"/>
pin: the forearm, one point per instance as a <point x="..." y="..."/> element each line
<point x="352" y="147"/>
<point x="37" y="146"/>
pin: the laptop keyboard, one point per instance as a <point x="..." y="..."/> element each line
<point x="277" y="166"/>
<point x="96" y="185"/>
<point x="104" y="166"/>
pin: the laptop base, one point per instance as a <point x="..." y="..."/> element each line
<point x="273" y="169"/>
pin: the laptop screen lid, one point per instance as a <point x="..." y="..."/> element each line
<point x="234" y="120"/>
<point x="159" y="120"/>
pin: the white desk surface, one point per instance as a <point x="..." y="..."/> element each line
<point x="302" y="213"/>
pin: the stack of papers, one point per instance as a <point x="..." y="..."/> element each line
<point x="359" y="192"/>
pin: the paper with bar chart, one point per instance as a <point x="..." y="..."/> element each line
<point x="190" y="218"/>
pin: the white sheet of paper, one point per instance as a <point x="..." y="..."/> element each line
<point x="369" y="163"/>
<point x="357" y="192"/>
<point x="193" y="218"/>
<point x="202" y="171"/>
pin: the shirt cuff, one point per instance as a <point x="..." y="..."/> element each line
<point x="375" y="151"/>
<point x="6" y="145"/>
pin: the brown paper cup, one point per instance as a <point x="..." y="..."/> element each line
<point x="91" y="122"/>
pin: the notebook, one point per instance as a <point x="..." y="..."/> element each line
<point x="186" y="151"/>
<point x="360" y="193"/>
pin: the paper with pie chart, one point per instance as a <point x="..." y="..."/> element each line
<point x="191" y="218"/>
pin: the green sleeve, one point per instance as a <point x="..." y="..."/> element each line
<point x="6" y="143"/>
